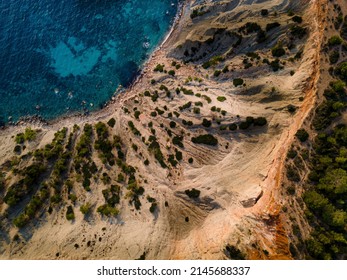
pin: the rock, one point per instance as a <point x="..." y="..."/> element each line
<point x="252" y="197"/>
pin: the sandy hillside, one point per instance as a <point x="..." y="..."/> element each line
<point x="239" y="178"/>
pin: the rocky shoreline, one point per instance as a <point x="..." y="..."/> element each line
<point x="38" y="120"/>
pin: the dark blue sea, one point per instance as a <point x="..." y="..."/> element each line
<point x="58" y="57"/>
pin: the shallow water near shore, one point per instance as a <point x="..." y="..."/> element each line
<point x="59" y="57"/>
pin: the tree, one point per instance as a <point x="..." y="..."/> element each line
<point x="334" y="182"/>
<point x="85" y="208"/>
<point x="302" y="135"/>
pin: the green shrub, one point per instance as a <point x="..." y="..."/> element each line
<point x="213" y="61"/>
<point x="207" y="98"/>
<point x="85" y="208"/>
<point x="111" y="122"/>
<point x="172" y="124"/>
<point x="334" y="57"/>
<point x="232" y="127"/>
<point x="292" y="174"/>
<point x="177" y="140"/>
<point x="159" y="68"/>
<point x="137" y="114"/>
<point x="206" y="123"/>
<point x="271" y="26"/>
<point x="261" y="36"/>
<point x="171" y="72"/>
<point x="297" y="19"/>
<point x="17" y="149"/>
<point x="335" y="41"/>
<point x="30" y="134"/>
<point x="196" y="110"/>
<point x="179" y="155"/>
<point x="250" y="27"/>
<point x="153" y="207"/>
<point x="217" y="73"/>
<point x="134" y="129"/>
<point x="298" y="31"/>
<point x="292" y="153"/>
<point x="21" y="220"/>
<point x="206" y="139"/>
<point x="70" y="215"/>
<point x="275" y="65"/>
<point x="264" y="12"/>
<point x="193" y="193"/>
<point x="260" y="121"/>
<point x="244" y="125"/>
<point x="20" y="138"/>
<point x="278" y="51"/>
<point x="302" y="135"/>
<point x="185" y="106"/>
<point x="197" y="12"/>
<point x="233" y="253"/>
<point x="238" y="82"/>
<point x="221" y="98"/>
<point x="107" y="210"/>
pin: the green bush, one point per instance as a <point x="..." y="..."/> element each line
<point x="206" y="139"/>
<point x="70" y="215"/>
<point x="302" y="135"/>
<point x="233" y="253"/>
<point x="207" y="98"/>
<point x="260" y="121"/>
<point x="221" y="98"/>
<point x="85" y="208"/>
<point x="107" y="210"/>
<point x="298" y="31"/>
<point x="297" y="19"/>
<point x="213" y="61"/>
<point x="244" y="125"/>
<point x="193" y="193"/>
<point x="177" y="140"/>
<point x="185" y="106"/>
<point x="171" y="72"/>
<point x="232" y="127"/>
<point x="271" y="26"/>
<point x="28" y="135"/>
<point x="153" y="207"/>
<point x="20" y="138"/>
<point x="334" y="57"/>
<point x="217" y="73"/>
<point x="159" y="68"/>
<point x="179" y="155"/>
<point x="111" y="122"/>
<point x="275" y="65"/>
<point x="197" y="12"/>
<point x="17" y="149"/>
<point x="238" y="82"/>
<point x="264" y="12"/>
<point x="250" y="27"/>
<point x="292" y="153"/>
<point x="196" y="110"/>
<point x="206" y="123"/>
<point x="335" y="41"/>
<point x="292" y="174"/>
<point x="137" y="114"/>
<point x="278" y="51"/>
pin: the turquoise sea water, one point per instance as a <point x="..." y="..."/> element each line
<point x="64" y="56"/>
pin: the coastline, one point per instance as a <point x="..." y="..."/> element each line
<point x="114" y="100"/>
